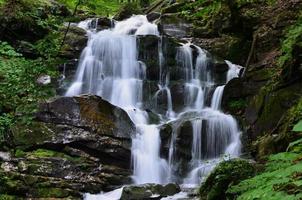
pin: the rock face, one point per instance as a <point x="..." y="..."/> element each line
<point x="149" y="191"/>
<point x="77" y="144"/>
<point x="173" y="25"/>
<point x="75" y="42"/>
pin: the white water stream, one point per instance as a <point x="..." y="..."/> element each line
<point x="109" y="67"/>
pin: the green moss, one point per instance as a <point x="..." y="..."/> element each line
<point x="237" y="104"/>
<point x="8" y="197"/>
<point x="19" y="153"/>
<point x="51" y="193"/>
<point x="224" y="175"/>
<point x="100" y="7"/>
<point x="45" y="153"/>
<point x="27" y="136"/>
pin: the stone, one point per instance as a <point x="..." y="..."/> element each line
<point x="174" y="25"/>
<point x="44" y="80"/>
<point x="149" y="191"/>
<point x="85" y="141"/>
<point x="153" y="16"/>
<point x="75" y="42"/>
<point x="5" y="156"/>
<point x="104" y="23"/>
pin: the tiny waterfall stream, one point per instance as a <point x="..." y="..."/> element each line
<point x="109" y="67"/>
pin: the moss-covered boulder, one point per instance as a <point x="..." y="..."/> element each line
<point x="225" y="175"/>
<point x="82" y="142"/>
<point x="45" y="173"/>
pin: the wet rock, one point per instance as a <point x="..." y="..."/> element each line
<point x="104" y="23"/>
<point x="149" y="191"/>
<point x="75" y="42"/>
<point x="226" y="46"/>
<point x="148" y="54"/>
<point x="85" y="129"/>
<point x="153" y="16"/>
<point x="44" y="173"/>
<point x="219" y="65"/>
<point x="175" y="26"/>
<point x="5" y="156"/>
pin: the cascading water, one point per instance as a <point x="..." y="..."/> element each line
<point x="109" y="67"/>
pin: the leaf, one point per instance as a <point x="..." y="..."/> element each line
<point x="298" y="127"/>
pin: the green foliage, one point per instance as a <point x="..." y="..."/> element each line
<point x="293" y="117"/>
<point x="298" y="127"/>
<point x="7" y="50"/>
<point x="293" y="37"/>
<point x="224" y="175"/>
<point x="49" y="46"/>
<point x="19" y="153"/>
<point x="100" y="7"/>
<point x="19" y="92"/>
<point x="237" y="104"/>
<point x="276" y="182"/>
<point x="295" y="147"/>
<point x="7" y="197"/>
<point x="6" y="120"/>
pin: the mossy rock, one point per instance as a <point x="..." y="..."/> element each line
<point x="74" y="43"/>
<point x="225" y="175"/>
<point x="127" y="11"/>
<point x="36" y="133"/>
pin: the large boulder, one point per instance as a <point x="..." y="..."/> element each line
<point x="149" y="191"/>
<point x="85" y="145"/>
<point x="49" y="174"/>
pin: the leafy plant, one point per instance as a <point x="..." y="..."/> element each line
<point x="7" y="50"/>
<point x="292" y="38"/>
<point x="298" y="127"/>
<point x="237" y="104"/>
<point x="278" y="181"/>
<point x="6" y="120"/>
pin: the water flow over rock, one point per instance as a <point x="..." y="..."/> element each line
<point x="109" y="67"/>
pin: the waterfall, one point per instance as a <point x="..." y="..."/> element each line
<point x="217" y="97"/>
<point x="109" y="67"/>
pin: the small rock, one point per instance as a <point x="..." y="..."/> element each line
<point x="7" y="167"/>
<point x="44" y="80"/>
<point x="153" y="16"/>
<point x="5" y="156"/>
